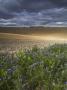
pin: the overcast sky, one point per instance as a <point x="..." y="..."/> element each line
<point x="33" y="12"/>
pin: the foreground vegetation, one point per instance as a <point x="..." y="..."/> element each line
<point x="35" y="69"/>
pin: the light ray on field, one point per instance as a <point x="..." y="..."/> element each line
<point x="56" y="37"/>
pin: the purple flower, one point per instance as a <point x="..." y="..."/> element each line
<point x="1" y="78"/>
<point x="65" y="82"/>
<point x="0" y="65"/>
<point x="9" y="71"/>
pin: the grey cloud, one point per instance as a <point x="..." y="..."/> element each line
<point x="9" y="7"/>
<point x="31" y="4"/>
<point x="33" y="12"/>
<point x="17" y="5"/>
<point x="55" y="16"/>
<point x="60" y="3"/>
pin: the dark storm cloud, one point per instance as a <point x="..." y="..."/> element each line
<point x="49" y="17"/>
<point x="60" y="3"/>
<point x="8" y="7"/>
<point x="20" y="5"/>
<point x="32" y="12"/>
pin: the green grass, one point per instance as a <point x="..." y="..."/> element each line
<point x="35" y="69"/>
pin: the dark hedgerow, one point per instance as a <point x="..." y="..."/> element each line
<point x="36" y="69"/>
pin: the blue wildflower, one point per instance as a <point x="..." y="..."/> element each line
<point x="65" y="82"/>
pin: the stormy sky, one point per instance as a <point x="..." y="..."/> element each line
<point x="33" y="12"/>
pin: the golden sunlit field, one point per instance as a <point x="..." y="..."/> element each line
<point x="16" y="38"/>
